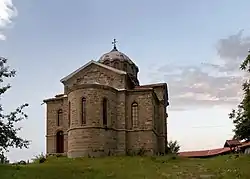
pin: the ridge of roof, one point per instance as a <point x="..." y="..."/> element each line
<point x="89" y="63"/>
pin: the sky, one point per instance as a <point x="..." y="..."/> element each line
<point x="194" y="46"/>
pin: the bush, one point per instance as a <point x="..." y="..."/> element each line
<point x="39" y="158"/>
<point x="142" y="151"/>
<point x="22" y="162"/>
<point x="3" y="159"/>
<point x="172" y="147"/>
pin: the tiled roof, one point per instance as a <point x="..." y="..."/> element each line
<point x="214" y="152"/>
<point x="115" y="55"/>
<point x="232" y="143"/>
<point x="245" y="144"/>
<point x="204" y="153"/>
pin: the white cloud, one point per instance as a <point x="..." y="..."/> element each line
<point x="7" y="13"/>
<point x="2" y="37"/>
<point x="208" y="84"/>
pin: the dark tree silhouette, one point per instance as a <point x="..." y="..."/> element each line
<point x="8" y="132"/>
<point x="172" y="147"/>
<point x="241" y="116"/>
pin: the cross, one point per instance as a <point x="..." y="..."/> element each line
<point x="114" y="43"/>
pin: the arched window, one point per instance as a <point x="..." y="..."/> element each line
<point x="106" y="63"/>
<point x="134" y="114"/>
<point x="59" y="117"/>
<point x="105" y="112"/>
<point x="125" y="67"/>
<point x="116" y="65"/>
<point x="83" y="111"/>
<point x="156" y="121"/>
<point x="69" y="115"/>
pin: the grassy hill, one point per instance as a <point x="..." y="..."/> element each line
<point x="229" y="167"/>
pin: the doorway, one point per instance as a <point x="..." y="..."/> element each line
<point x="59" y="142"/>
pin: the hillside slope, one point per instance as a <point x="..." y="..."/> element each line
<point x="131" y="168"/>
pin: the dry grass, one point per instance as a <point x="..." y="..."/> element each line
<point x="229" y="167"/>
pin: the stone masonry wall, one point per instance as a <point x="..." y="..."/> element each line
<point x="91" y="138"/>
<point x="161" y="127"/>
<point x="141" y="137"/>
<point x="156" y="124"/>
<point x="95" y="74"/>
<point x="94" y="83"/>
<point x="160" y="91"/>
<point x="121" y="118"/>
<point x="51" y="124"/>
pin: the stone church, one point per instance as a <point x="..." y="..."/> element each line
<point x="105" y="111"/>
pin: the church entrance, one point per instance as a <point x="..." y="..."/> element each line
<point x="59" y="142"/>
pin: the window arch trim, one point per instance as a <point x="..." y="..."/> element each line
<point x="134" y="114"/>
<point x="69" y="113"/>
<point x="125" y="67"/>
<point x="106" y="62"/>
<point x="116" y="64"/>
<point x="59" y="117"/>
<point x="83" y="110"/>
<point x="105" y="112"/>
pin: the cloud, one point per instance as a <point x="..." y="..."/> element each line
<point x="208" y="84"/>
<point x="234" y="47"/>
<point x="7" y="13"/>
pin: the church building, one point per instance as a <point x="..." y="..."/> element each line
<point x="105" y="111"/>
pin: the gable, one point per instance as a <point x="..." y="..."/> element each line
<point x="92" y="62"/>
<point x="96" y="73"/>
<point x="160" y="89"/>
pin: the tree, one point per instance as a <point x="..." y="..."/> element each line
<point x="8" y="132"/>
<point x="241" y="116"/>
<point x="3" y="159"/>
<point x="172" y="147"/>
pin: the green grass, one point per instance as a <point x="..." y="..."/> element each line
<point x="228" y="167"/>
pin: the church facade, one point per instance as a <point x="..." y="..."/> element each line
<point x="105" y="111"/>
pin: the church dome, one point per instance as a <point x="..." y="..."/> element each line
<point x="115" y="55"/>
<point x="119" y="60"/>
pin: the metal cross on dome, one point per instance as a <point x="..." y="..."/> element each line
<point x="114" y="43"/>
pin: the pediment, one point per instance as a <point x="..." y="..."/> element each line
<point x="86" y="67"/>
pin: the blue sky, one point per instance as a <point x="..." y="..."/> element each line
<point x="194" y="46"/>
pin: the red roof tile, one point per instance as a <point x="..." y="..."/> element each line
<point x="204" y="153"/>
<point x="245" y="144"/>
<point x="232" y="143"/>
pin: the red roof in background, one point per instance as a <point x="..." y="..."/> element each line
<point x="245" y="144"/>
<point x="204" y="153"/>
<point x="232" y="143"/>
<point x="214" y="152"/>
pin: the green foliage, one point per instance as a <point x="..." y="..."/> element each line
<point x="3" y="159"/>
<point x="172" y="147"/>
<point x="142" y="151"/>
<point x="131" y="167"/>
<point x="8" y="131"/>
<point x="139" y="152"/>
<point x="166" y="158"/>
<point x="241" y="116"/>
<point x="41" y="158"/>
